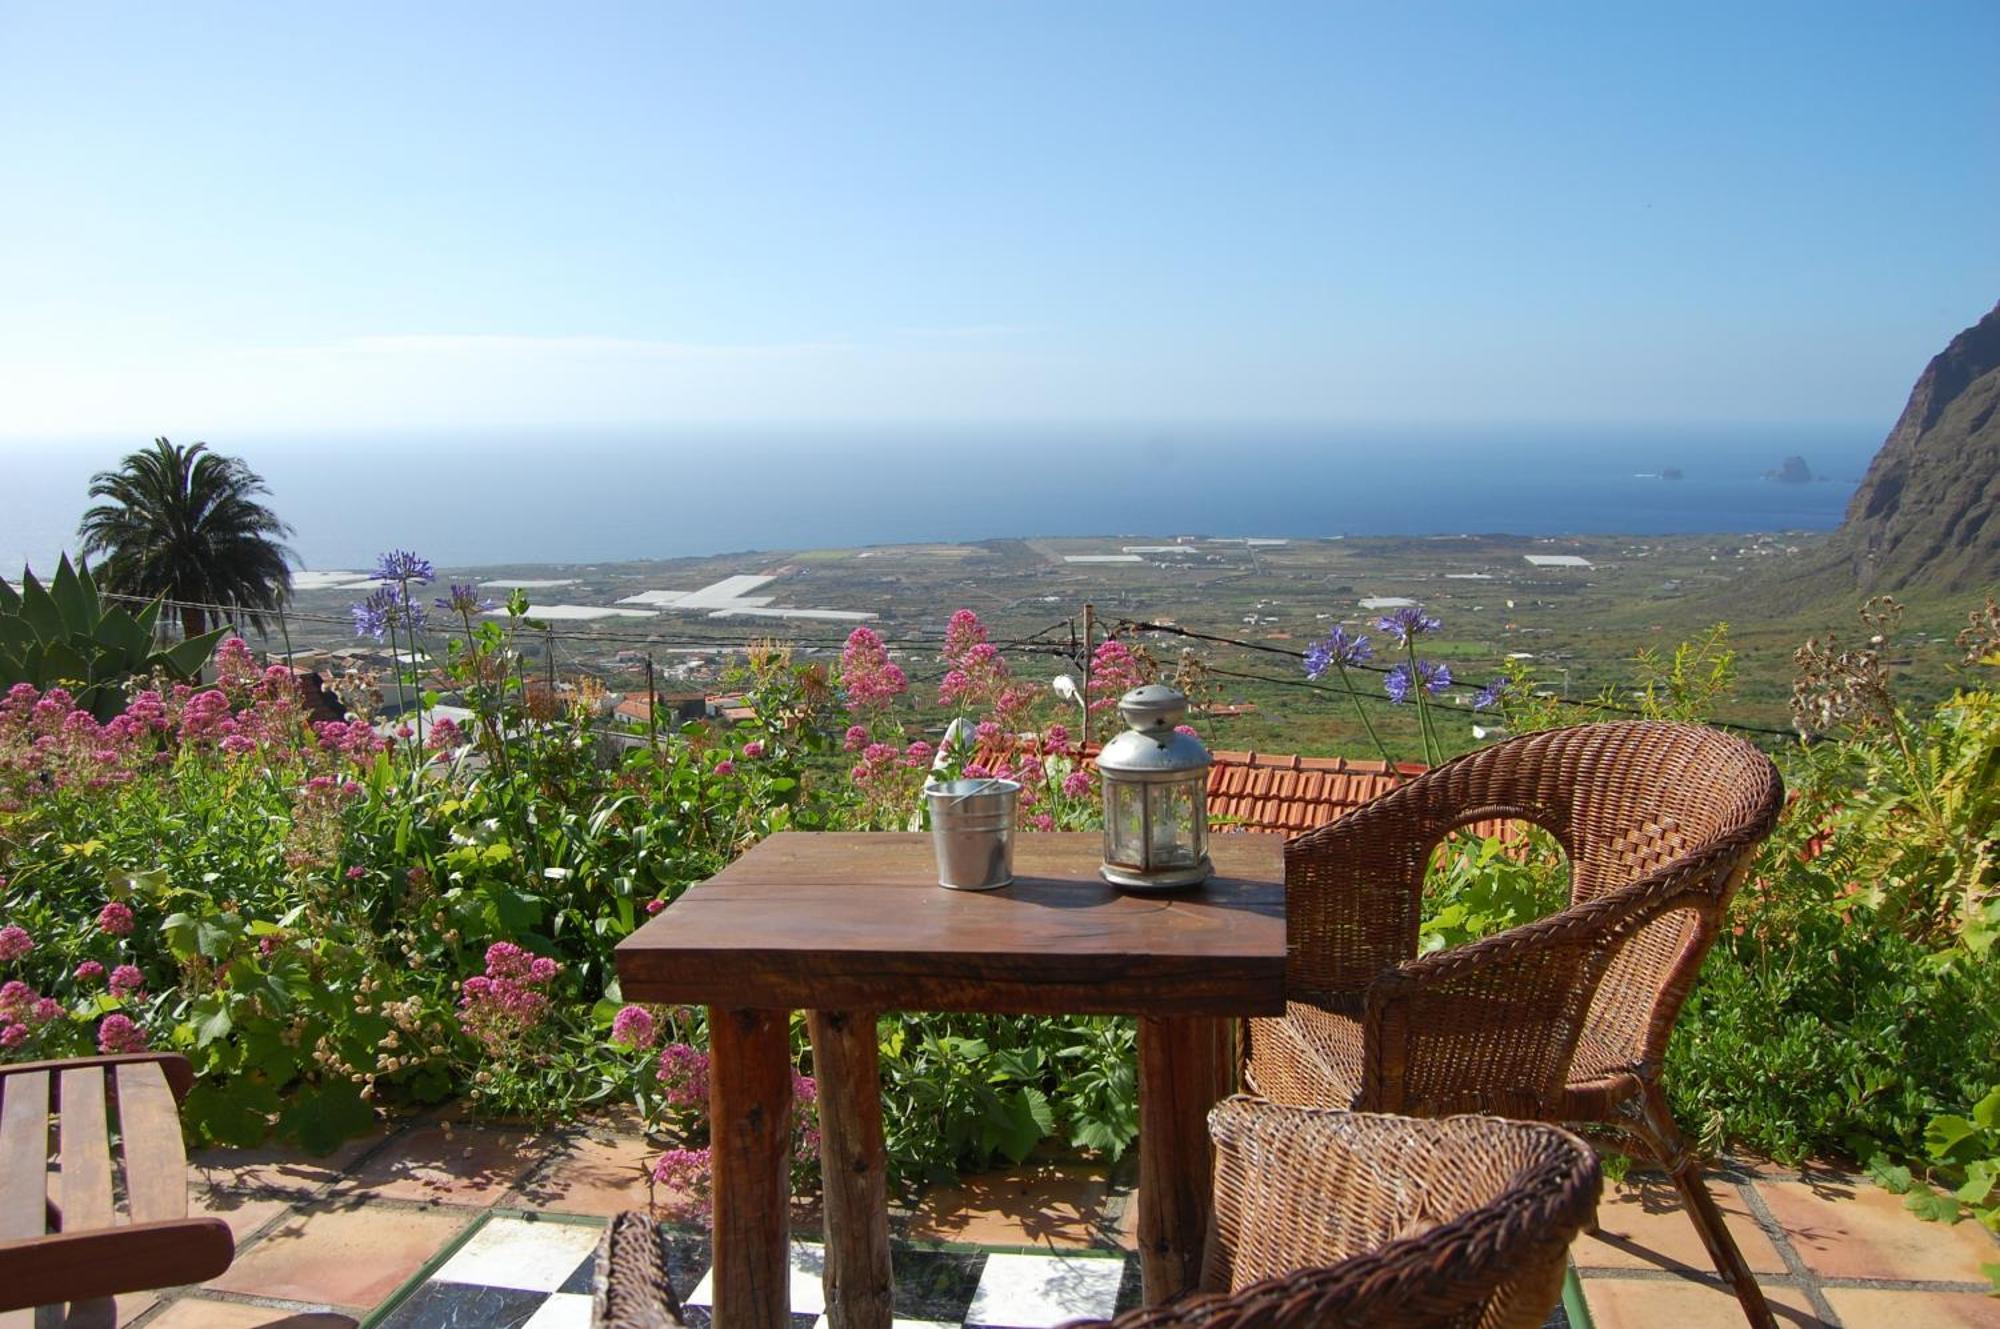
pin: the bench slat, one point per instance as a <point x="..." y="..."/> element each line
<point x="155" y="1157"/>
<point x="24" y="1155"/>
<point x="86" y="1152"/>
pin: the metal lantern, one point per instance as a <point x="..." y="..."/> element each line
<point x="1155" y="796"/>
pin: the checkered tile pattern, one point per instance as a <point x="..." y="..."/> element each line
<point x="520" y="1273"/>
<point x="525" y="1273"/>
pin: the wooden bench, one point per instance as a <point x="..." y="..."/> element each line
<point x="64" y="1236"/>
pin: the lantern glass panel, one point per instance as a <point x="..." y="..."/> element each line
<point x="1125" y="823"/>
<point x="1171" y="843"/>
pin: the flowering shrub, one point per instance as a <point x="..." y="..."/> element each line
<point x="322" y="918"/>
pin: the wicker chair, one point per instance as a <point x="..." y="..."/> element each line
<point x="1562" y="1020"/>
<point x="1322" y="1218"/>
<point x="1351" y="1219"/>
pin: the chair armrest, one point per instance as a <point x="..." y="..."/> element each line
<point x="179" y="1073"/>
<point x="630" y="1288"/>
<point x="103" y="1262"/>
<point x="1492" y="1026"/>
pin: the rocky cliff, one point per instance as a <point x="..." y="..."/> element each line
<point x="1928" y="513"/>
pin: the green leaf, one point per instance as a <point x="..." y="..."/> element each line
<point x="322" y="1118"/>
<point x="185" y="659"/>
<point x="79" y="610"/>
<point x="1891" y="1177"/>
<point x="1932" y="1207"/>
<point x="238" y="1113"/>
<point x="1945" y="1137"/>
<point x="211" y="1020"/>
<point x="1980" y="1178"/>
<point x="38" y="610"/>
<point x="1986" y="1113"/>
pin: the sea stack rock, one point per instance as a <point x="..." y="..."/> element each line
<point x="1925" y="515"/>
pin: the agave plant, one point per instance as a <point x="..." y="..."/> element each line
<point x="64" y="635"/>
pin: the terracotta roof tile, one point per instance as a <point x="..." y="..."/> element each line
<point x="1261" y="791"/>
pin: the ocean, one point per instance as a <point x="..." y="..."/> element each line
<point x="583" y="496"/>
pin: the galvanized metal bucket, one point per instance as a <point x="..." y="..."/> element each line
<point x="972" y="828"/>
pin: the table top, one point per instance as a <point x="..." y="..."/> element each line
<point x="857" y="921"/>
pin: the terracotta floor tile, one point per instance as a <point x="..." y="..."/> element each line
<point x="341" y="1254"/>
<point x="1645" y="1303"/>
<point x="1045" y="1205"/>
<point x="244" y="1213"/>
<point x="203" y="1313"/>
<point x="1642" y="1224"/>
<point x="593" y="1175"/>
<point x="1872" y="1308"/>
<point x="447" y="1163"/>
<point x="132" y="1305"/>
<point x="280" y="1166"/>
<point x="1853" y="1229"/>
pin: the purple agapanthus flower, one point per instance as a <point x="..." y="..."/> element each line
<point x="402" y="565"/>
<point x="464" y="599"/>
<point x="386" y="607"/>
<point x="1490" y="694"/>
<point x="1407" y="622"/>
<point x="1339" y="648"/>
<point x="1431" y="675"/>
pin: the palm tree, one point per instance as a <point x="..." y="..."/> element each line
<point x="185" y="523"/>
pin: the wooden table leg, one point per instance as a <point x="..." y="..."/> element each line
<point x="1184" y="1068"/>
<point x="860" y="1287"/>
<point x="750" y="1135"/>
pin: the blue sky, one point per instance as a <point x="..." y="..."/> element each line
<point x="223" y="219"/>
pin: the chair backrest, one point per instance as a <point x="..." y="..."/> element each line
<point x="1331" y="1218"/>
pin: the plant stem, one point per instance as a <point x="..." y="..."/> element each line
<point x="1362" y="712"/>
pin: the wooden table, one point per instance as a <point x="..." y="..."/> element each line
<point x="845" y="926"/>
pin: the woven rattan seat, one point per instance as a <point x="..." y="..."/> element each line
<point x="1322" y="1218"/>
<point x="1565" y="1019"/>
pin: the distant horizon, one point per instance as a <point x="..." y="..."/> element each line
<point x="594" y="495"/>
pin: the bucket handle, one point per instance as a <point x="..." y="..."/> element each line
<point x="974" y="792"/>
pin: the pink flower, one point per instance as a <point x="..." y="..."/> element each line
<point x="15" y="999"/>
<point x="506" y="1003"/>
<point x="961" y="634"/>
<point x="445" y="735"/>
<point x="89" y="971"/>
<point x="857" y="738"/>
<point x="918" y="753"/>
<point x="633" y="1027"/>
<point x="1056" y="741"/>
<point x="725" y="767"/>
<point x="684" y="1075"/>
<point x="1076" y="784"/>
<point x="14" y="943"/>
<point x="685" y="1171"/>
<point x="1042" y="821"/>
<point x="356" y="873"/>
<point x="127" y="981"/>
<point x="1187" y="729"/>
<point x="404" y="731"/>
<point x="118" y="1034"/>
<point x="753" y="749"/>
<point x="866" y="671"/>
<point x="655" y="906"/>
<point x="116" y="919"/>
<point x="46" y="1010"/>
<point x="986" y="733"/>
<point x="236" y="745"/>
<point x="13" y="1036"/>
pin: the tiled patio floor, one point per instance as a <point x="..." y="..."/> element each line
<point x="325" y="1243"/>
